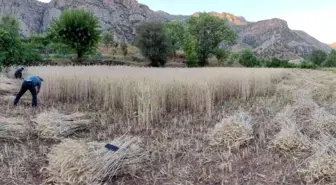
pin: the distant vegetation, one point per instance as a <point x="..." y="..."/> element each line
<point x="76" y="35"/>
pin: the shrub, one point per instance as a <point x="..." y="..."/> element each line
<point x="318" y="56"/>
<point x="221" y="55"/>
<point x="331" y="60"/>
<point x="29" y="55"/>
<point x="248" y="59"/>
<point x="78" y="29"/>
<point x="152" y="40"/>
<point x="124" y="49"/>
<point x="209" y="31"/>
<point x="277" y="63"/>
<point x="108" y="39"/>
<point x="307" y="65"/>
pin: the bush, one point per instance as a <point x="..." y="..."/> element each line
<point x="108" y="39"/>
<point x="277" y="63"/>
<point x="318" y="56"/>
<point x="78" y="29"/>
<point x="29" y="55"/>
<point x="307" y="65"/>
<point x="331" y="60"/>
<point x="221" y="55"/>
<point x="152" y="40"/>
<point x="124" y="49"/>
<point x="248" y="59"/>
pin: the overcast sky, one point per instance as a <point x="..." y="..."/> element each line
<point x="314" y="17"/>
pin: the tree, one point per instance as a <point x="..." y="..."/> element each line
<point x="11" y="25"/>
<point x="331" y="60"/>
<point x="152" y="40"/>
<point x="10" y="43"/>
<point x="77" y="28"/>
<point x="124" y="48"/>
<point x="189" y="48"/>
<point x="209" y="31"/>
<point x="318" y="56"/>
<point x="108" y="39"/>
<point x="248" y="59"/>
<point x="175" y="31"/>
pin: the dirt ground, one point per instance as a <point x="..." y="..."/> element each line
<point x="179" y="148"/>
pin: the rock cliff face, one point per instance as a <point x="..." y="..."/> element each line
<point x="120" y="15"/>
<point x="273" y="38"/>
<point x="29" y="12"/>
<point x="268" y="38"/>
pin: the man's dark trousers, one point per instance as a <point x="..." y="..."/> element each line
<point x="27" y="85"/>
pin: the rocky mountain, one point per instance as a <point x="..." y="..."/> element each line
<point x="333" y="45"/>
<point x="273" y="38"/>
<point x="120" y="15"/>
<point x="268" y="38"/>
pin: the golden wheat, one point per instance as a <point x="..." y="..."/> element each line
<point x="150" y="93"/>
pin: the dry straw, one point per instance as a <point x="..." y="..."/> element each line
<point x="54" y="125"/>
<point x="321" y="167"/>
<point x="77" y="162"/>
<point x="232" y="132"/>
<point x="150" y="93"/>
<point x="13" y="129"/>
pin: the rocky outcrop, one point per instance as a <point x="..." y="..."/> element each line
<point x="119" y="15"/>
<point x="273" y="38"/>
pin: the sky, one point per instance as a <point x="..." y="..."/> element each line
<point x="314" y="17"/>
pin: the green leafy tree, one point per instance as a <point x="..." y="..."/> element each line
<point x="124" y="49"/>
<point x="151" y="38"/>
<point x="318" y="56"/>
<point x="108" y="39"/>
<point x="11" y="25"/>
<point x="331" y="60"/>
<point x="209" y="31"/>
<point x="248" y="59"/>
<point x="189" y="48"/>
<point x="10" y="43"/>
<point x="175" y="31"/>
<point x="77" y="28"/>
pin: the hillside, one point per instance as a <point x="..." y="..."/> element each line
<point x="273" y="38"/>
<point x="119" y="15"/>
<point x="268" y="38"/>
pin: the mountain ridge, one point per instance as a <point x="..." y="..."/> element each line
<point x="268" y="38"/>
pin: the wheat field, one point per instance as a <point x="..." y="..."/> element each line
<point x="171" y="126"/>
<point x="151" y="93"/>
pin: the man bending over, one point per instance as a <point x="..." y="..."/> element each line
<point x="33" y="84"/>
